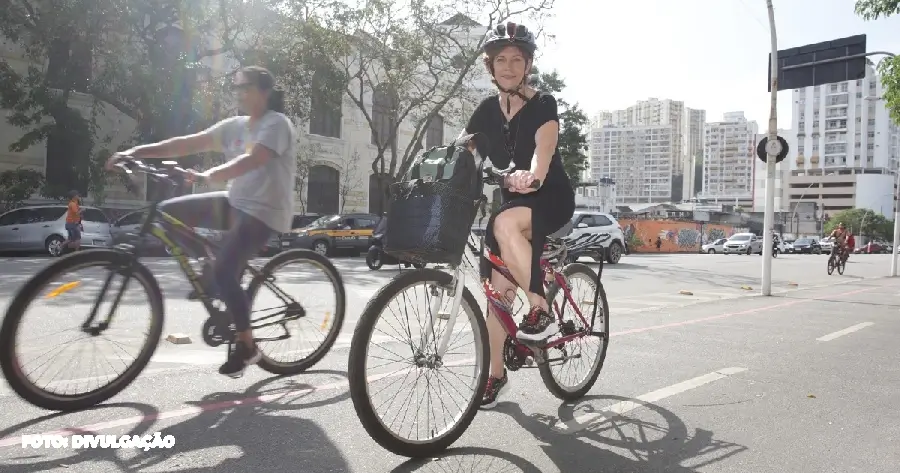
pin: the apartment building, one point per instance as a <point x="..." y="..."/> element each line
<point x="728" y="160"/>
<point x="639" y="159"/>
<point x="599" y="195"/>
<point x="782" y="174"/>
<point x="847" y="147"/>
<point x="687" y="135"/>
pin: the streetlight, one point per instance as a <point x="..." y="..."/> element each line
<point x="894" y="250"/>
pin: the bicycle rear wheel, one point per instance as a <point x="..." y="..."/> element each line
<point x="112" y="263"/>
<point x="423" y="363"/>
<point x="319" y="270"/>
<point x="574" y="352"/>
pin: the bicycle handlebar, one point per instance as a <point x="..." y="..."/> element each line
<point x="498" y="178"/>
<point x="130" y="165"/>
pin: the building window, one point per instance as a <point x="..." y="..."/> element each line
<point x="325" y="107"/>
<point x="384" y="117"/>
<point x="323" y="193"/>
<point x="434" y="134"/>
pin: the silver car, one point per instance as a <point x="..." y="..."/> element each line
<point x="43" y="228"/>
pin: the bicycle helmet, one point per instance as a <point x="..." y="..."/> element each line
<point x="509" y="34"/>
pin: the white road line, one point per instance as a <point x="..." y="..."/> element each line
<point x="580" y="423"/>
<point x="841" y="333"/>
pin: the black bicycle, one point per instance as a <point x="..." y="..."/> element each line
<point x="123" y="261"/>
<point x="837" y="260"/>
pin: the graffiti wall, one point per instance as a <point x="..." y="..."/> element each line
<point x="674" y="236"/>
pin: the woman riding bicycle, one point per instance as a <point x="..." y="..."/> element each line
<point x="261" y="169"/>
<point x="522" y="125"/>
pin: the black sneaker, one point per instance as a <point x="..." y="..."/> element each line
<point x="239" y="358"/>
<point x="495" y="387"/>
<point x="538" y="325"/>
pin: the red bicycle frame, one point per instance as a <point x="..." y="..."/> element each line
<point x="503" y="311"/>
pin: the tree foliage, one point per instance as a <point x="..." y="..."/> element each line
<point x="862" y="222"/>
<point x="573" y="138"/>
<point x="17" y="185"/>
<point x="888" y="68"/>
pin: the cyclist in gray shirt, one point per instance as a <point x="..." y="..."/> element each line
<point x="260" y="147"/>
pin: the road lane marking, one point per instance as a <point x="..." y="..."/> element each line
<point x="16" y="440"/>
<point x="582" y="422"/>
<point x="846" y="331"/>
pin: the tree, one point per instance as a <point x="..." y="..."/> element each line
<point x="862" y="222"/>
<point x="573" y="140"/>
<point x="17" y="185"/>
<point x="138" y="59"/>
<point x="350" y="179"/>
<point x="889" y="68"/>
<point x="407" y="66"/>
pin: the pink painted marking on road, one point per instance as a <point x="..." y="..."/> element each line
<point x="218" y="406"/>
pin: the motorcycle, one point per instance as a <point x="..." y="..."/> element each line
<point x="376" y="257"/>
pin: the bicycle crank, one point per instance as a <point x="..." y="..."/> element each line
<point x="216" y="332"/>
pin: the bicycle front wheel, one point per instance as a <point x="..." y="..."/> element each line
<point x="830" y="265"/>
<point x="382" y="396"/>
<point x="69" y="304"/>
<point x="298" y="297"/>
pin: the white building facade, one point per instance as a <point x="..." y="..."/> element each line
<point x="728" y="167"/>
<point x="847" y="147"/>
<point x="638" y="159"/>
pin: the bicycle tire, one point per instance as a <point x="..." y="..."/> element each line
<point x="841" y="266"/>
<point x="546" y="374"/>
<point x="356" y="373"/>
<point x="830" y="265"/>
<point x="8" y="330"/>
<point x="337" y="283"/>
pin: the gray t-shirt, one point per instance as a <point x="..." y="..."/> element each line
<point x="266" y="192"/>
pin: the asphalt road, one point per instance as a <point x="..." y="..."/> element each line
<point x="722" y="380"/>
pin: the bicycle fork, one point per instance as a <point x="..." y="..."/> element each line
<point x="456" y="290"/>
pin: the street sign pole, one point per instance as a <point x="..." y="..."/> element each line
<point x="773" y="147"/>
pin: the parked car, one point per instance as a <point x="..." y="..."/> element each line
<point x="299" y="223"/>
<point x="873" y="248"/>
<point x="743" y="243"/>
<point x="807" y="246"/>
<point x="127" y="227"/>
<point x="788" y="246"/>
<point x="589" y="222"/>
<point x="826" y="244"/>
<point x="332" y="232"/>
<point x="717" y="246"/>
<point x="43" y="228"/>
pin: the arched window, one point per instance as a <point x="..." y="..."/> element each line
<point x="384" y="117"/>
<point x="325" y="106"/>
<point x="378" y="184"/>
<point x="434" y="134"/>
<point x="323" y="190"/>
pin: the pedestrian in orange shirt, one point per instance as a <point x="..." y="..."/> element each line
<point x="73" y="222"/>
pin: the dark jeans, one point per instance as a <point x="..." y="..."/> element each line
<point x="244" y="237"/>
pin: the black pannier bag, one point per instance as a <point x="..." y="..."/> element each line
<point x="433" y="208"/>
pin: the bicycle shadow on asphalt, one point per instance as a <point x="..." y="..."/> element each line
<point x="469" y="459"/>
<point x="230" y="433"/>
<point x="662" y="446"/>
<point x="29" y="460"/>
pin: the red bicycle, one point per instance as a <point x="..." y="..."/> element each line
<point x="435" y="358"/>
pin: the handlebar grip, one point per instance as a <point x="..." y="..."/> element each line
<point x="536" y="184"/>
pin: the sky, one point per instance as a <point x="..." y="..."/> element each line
<point x="711" y="54"/>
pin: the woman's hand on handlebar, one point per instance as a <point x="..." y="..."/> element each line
<point x="115" y="158"/>
<point x="521" y="182"/>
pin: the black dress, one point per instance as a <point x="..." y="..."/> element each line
<point x="553" y="205"/>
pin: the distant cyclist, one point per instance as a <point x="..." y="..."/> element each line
<point x="260" y="147"/>
<point x="840" y="239"/>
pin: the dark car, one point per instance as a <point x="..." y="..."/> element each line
<point x="282" y="241"/>
<point x="873" y="248"/>
<point x="351" y="232"/>
<point x="808" y="246"/>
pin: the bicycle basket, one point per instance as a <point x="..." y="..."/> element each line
<point x="429" y="222"/>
